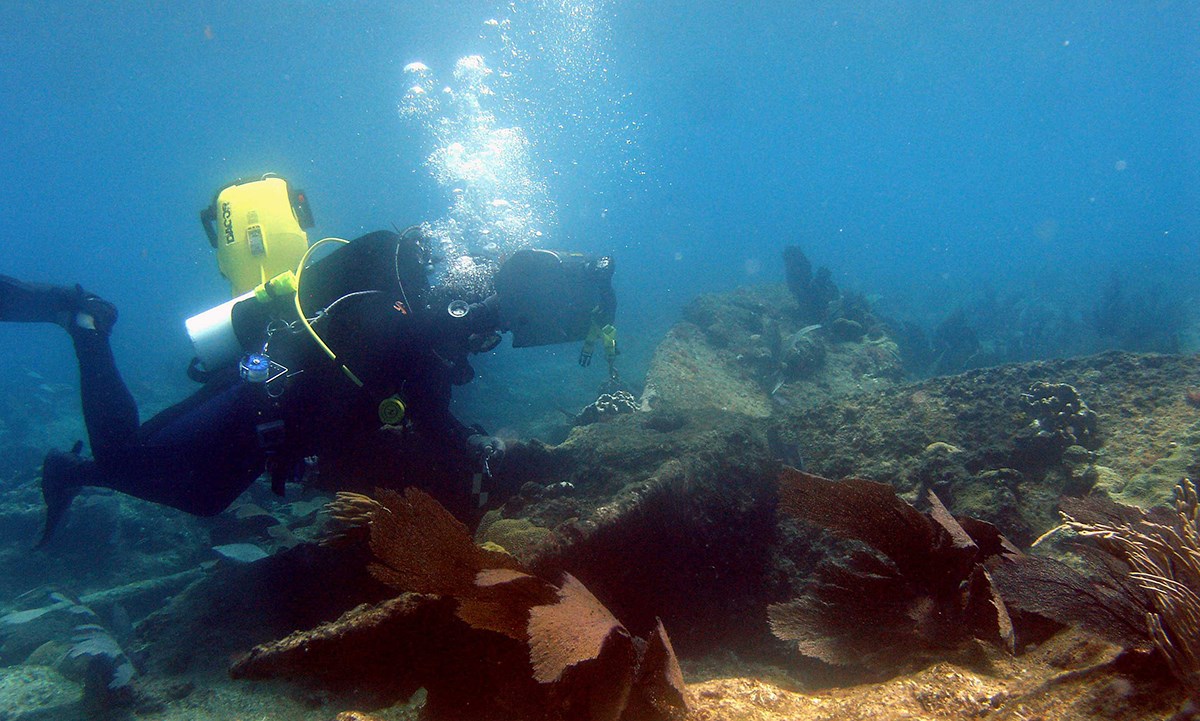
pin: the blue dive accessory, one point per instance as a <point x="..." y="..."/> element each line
<point x="258" y="368"/>
<point x="255" y="368"/>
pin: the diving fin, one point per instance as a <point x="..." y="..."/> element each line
<point x="63" y="474"/>
<point x="69" y="307"/>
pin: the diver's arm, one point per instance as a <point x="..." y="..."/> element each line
<point x="484" y="317"/>
<point x="429" y="410"/>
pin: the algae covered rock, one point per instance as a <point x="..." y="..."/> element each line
<point x="29" y="693"/>
<point x="515" y="535"/>
<point x="1155" y="485"/>
<point x="755" y="350"/>
<point x="1150" y="433"/>
<point x="687" y="373"/>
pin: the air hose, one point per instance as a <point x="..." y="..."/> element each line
<point x="304" y="318"/>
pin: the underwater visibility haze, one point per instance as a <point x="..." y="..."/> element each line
<point x="820" y="214"/>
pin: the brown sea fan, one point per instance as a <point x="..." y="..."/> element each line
<point x="486" y="638"/>
<point x="922" y="589"/>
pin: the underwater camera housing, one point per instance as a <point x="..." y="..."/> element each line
<point x="257" y="228"/>
<point x="548" y="296"/>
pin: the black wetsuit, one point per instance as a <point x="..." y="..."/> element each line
<point x="200" y="454"/>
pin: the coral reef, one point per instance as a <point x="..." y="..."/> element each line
<point x="673" y="517"/>
<point x="955" y="344"/>
<point x="1061" y="419"/>
<point x="1144" y="319"/>
<point x="992" y="326"/>
<point x="925" y="594"/>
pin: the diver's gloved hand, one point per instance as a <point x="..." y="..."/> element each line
<point x="489" y="448"/>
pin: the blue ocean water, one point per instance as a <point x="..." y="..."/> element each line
<point x="930" y="154"/>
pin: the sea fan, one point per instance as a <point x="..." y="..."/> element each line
<point x="109" y="672"/>
<point x="1164" y="560"/>
<point x="922" y="587"/>
<point x="483" y="636"/>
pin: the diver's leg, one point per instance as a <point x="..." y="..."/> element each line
<point x="35" y="302"/>
<point x="108" y="408"/>
<point x="24" y="302"/>
<point x="109" y="411"/>
<point x="197" y="456"/>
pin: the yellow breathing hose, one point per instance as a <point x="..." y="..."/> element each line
<point x="304" y="319"/>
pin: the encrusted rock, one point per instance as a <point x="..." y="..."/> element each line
<point x="1060" y="417"/>
<point x="37" y="692"/>
<point x="803" y="353"/>
<point x="607" y="406"/>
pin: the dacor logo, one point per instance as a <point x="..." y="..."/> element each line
<point x="227" y="222"/>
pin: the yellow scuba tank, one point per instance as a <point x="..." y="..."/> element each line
<point x="257" y="228"/>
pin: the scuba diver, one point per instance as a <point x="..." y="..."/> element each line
<point x="310" y="360"/>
